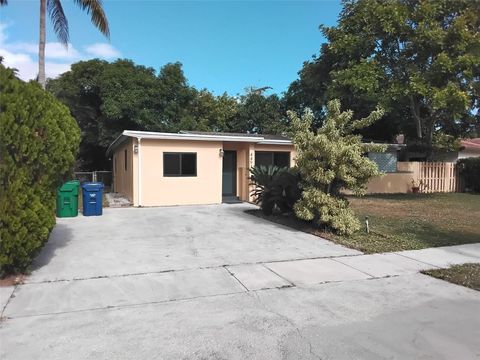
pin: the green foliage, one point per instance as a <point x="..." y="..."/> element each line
<point x="445" y="142"/>
<point x="260" y="114"/>
<point x="329" y="160"/>
<point x="419" y="59"/>
<point x="275" y="188"/>
<point x="107" y="98"/>
<point x="470" y="172"/>
<point x="38" y="143"/>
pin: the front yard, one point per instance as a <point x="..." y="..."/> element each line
<point x="405" y="222"/>
<point x="466" y="275"/>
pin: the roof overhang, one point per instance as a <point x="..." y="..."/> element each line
<point x="191" y="137"/>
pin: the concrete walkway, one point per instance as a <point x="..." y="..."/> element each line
<point x="177" y="283"/>
<point x="31" y="299"/>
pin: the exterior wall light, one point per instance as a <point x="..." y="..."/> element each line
<point x="221" y="152"/>
<point x="135" y="149"/>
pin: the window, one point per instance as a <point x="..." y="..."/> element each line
<point x="179" y="164"/>
<point x="386" y="162"/>
<point x="125" y="158"/>
<point x="280" y="159"/>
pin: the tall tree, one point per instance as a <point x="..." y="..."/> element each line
<point x="419" y="59"/>
<point x="107" y="98"/>
<point x="261" y="114"/>
<point x="60" y="25"/>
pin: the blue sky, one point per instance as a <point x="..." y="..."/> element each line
<point x="223" y="45"/>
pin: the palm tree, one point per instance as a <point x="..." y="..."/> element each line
<point x="60" y="25"/>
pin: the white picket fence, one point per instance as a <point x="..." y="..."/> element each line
<point x="437" y="176"/>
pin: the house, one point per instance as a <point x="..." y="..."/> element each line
<point x="191" y="167"/>
<point x="156" y="169"/>
<point x="468" y="148"/>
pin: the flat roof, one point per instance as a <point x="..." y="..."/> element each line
<point x="199" y="136"/>
<point x="213" y="136"/>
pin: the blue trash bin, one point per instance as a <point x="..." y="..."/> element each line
<point x="92" y="198"/>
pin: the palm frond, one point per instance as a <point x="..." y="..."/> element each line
<point x="59" y="20"/>
<point x="95" y="9"/>
<point x="3" y="2"/>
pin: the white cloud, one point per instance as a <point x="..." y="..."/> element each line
<point x="102" y="50"/>
<point x="26" y="66"/>
<point x="23" y="55"/>
<point x="53" y="50"/>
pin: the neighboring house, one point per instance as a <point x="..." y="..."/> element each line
<point x="396" y="176"/>
<point x="154" y="169"/>
<point x="468" y="148"/>
<point x="387" y="161"/>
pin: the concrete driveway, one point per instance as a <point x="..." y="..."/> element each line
<point x="211" y="282"/>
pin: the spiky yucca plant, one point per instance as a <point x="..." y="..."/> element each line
<point x="274" y="188"/>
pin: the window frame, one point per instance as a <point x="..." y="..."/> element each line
<point x="180" y="153"/>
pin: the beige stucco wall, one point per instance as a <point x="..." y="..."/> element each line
<point x="390" y="183"/>
<point x="123" y="179"/>
<point x="205" y="188"/>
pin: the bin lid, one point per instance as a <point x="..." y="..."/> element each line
<point x="92" y="186"/>
<point x="70" y="186"/>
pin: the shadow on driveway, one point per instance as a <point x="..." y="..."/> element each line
<point x="59" y="237"/>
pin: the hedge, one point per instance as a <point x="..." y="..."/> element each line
<point x="470" y="172"/>
<point x="38" y="143"/>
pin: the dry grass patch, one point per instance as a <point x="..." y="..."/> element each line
<point x="466" y="275"/>
<point x="405" y="222"/>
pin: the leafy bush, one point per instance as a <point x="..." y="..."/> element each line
<point x="38" y="143"/>
<point x="329" y="160"/>
<point x="470" y="172"/>
<point x="275" y="188"/>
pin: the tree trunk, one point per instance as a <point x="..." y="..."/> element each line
<point x="415" y="109"/>
<point x="41" y="45"/>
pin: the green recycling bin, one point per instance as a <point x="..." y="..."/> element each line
<point x="67" y="199"/>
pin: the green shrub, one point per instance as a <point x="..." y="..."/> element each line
<point x="470" y="172"/>
<point x="38" y="143"/>
<point x="329" y="160"/>
<point x="275" y="188"/>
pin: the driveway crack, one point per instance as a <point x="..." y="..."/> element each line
<point x="287" y="320"/>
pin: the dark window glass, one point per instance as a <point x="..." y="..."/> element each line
<point x="189" y="164"/>
<point x="125" y="160"/>
<point x="281" y="159"/>
<point x="179" y="164"/>
<point x="266" y="158"/>
<point x="263" y="158"/>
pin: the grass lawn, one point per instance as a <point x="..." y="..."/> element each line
<point x="405" y="222"/>
<point x="466" y="275"/>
